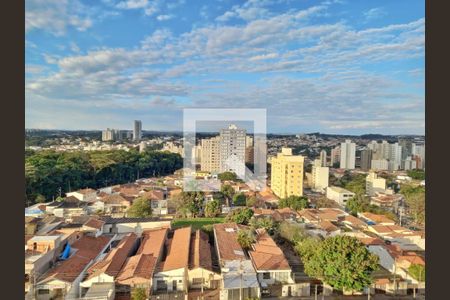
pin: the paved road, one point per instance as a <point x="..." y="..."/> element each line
<point x="373" y="297"/>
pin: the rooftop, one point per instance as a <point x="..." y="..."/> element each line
<point x="115" y="259"/>
<point x="226" y="242"/>
<point x="178" y="254"/>
<point x="200" y="251"/>
<point x="266" y="255"/>
<point x="87" y="248"/>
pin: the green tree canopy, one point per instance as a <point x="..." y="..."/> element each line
<point x="291" y="232"/>
<point x="138" y="293"/>
<point x="416" y="174"/>
<point x="212" y="209"/>
<point x="294" y="202"/>
<point x="266" y="223"/>
<point x="341" y="261"/>
<point x="189" y="203"/>
<point x="227" y="176"/>
<point x="417" y="272"/>
<point x="240" y="216"/>
<point x="40" y="198"/>
<point x="239" y="199"/>
<point x="246" y="238"/>
<point x="140" y="208"/>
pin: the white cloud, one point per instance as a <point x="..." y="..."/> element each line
<point x="164" y="17"/>
<point x="56" y="16"/>
<point x="132" y="4"/>
<point x="375" y="13"/>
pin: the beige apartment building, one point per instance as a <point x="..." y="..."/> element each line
<point x="375" y="184"/>
<point x="287" y="174"/>
<point x="210" y="154"/>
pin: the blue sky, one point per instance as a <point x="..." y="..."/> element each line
<point x="334" y="66"/>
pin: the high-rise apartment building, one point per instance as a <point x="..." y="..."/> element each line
<point x="375" y="184"/>
<point x="379" y="164"/>
<point x="320" y="176"/>
<point x="395" y="156"/>
<point x="287" y="174"/>
<point x="108" y="135"/>
<point x="419" y="151"/>
<point x="366" y="159"/>
<point x="137" y="130"/>
<point x="348" y="150"/>
<point x="232" y="150"/>
<point x="210" y="155"/>
<point x="323" y="158"/>
<point x="335" y="156"/>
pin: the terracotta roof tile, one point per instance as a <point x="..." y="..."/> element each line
<point x="200" y="251"/>
<point x="88" y="248"/>
<point x="266" y="255"/>
<point x="226" y="242"/>
<point x="94" y="223"/>
<point x="178" y="254"/>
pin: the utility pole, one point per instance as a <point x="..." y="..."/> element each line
<point x="315" y="293"/>
<point x="368" y="294"/>
<point x="240" y="273"/>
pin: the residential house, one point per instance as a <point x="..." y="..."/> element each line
<point x="239" y="279"/>
<point x="405" y="238"/>
<point x="70" y="207"/>
<point x="107" y="269"/>
<point x="86" y="195"/>
<point x="269" y="261"/>
<point x="172" y="273"/>
<point x="201" y="271"/>
<point x="386" y="201"/>
<point x="339" y="195"/>
<point x="62" y="281"/>
<point x="137" y="225"/>
<point x="374" y="219"/>
<point x="115" y="204"/>
<point x="158" y="198"/>
<point x="94" y="226"/>
<point x="139" y="269"/>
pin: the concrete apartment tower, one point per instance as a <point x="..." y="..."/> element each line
<point x="335" y="156"/>
<point x="232" y="150"/>
<point x="137" y="130"/>
<point x="348" y="150"/>
<point x="320" y="175"/>
<point x="210" y="155"/>
<point x="366" y="159"/>
<point x="323" y="158"/>
<point x="287" y="174"/>
<point x="375" y="184"/>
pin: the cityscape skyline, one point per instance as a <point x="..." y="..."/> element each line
<point x="329" y="66"/>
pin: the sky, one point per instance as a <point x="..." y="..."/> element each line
<point x="333" y="66"/>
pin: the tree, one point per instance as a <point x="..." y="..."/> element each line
<point x="239" y="199"/>
<point x="138" y="293"/>
<point x="231" y="176"/>
<point x="227" y="191"/>
<point x="416" y="174"/>
<point x="246" y="238"/>
<point x="417" y="272"/>
<point x="212" y="209"/>
<point x="294" y="202"/>
<point x="140" y="208"/>
<point x="240" y="216"/>
<point x="189" y="203"/>
<point x="291" y="232"/>
<point x="266" y="223"/>
<point x="356" y="204"/>
<point x="341" y="261"/>
<point x="415" y="200"/>
<point x="251" y="201"/>
<point x="40" y="198"/>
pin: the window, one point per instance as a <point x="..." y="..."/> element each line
<point x="197" y="280"/>
<point x="44" y="292"/>
<point x="266" y="275"/>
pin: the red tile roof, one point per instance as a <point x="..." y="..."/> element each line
<point x="200" y="251"/>
<point x="88" y="248"/>
<point x="266" y="255"/>
<point x="178" y="254"/>
<point x="226" y="242"/>
<point x="94" y="223"/>
<point x="115" y="259"/>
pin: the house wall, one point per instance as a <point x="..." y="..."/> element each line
<point x="386" y="260"/>
<point x="199" y="273"/>
<point x="234" y="294"/>
<point x="131" y="227"/>
<point x="296" y="290"/>
<point x="100" y="278"/>
<point x="180" y="275"/>
<point x="275" y="276"/>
